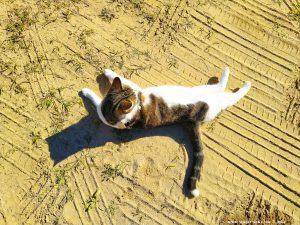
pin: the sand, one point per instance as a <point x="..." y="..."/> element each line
<point x="60" y="165"/>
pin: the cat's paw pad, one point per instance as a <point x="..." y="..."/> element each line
<point x="109" y="74"/>
<point x="195" y="193"/>
<point x="85" y="92"/>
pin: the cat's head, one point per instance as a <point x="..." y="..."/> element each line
<point x="119" y="101"/>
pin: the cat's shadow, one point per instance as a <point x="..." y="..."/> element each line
<point x="90" y="132"/>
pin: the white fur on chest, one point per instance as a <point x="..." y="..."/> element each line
<point x="129" y="116"/>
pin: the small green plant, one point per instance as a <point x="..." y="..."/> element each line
<point x="135" y="69"/>
<point x="112" y="207"/>
<point x="66" y="15"/>
<point x="12" y="71"/>
<point x="107" y="15"/>
<point x="32" y="67"/>
<point x="16" y="87"/>
<point x="49" y="11"/>
<point x="210" y="21"/>
<point x="172" y="62"/>
<point x="169" y="167"/>
<point x="131" y="4"/>
<point x="57" y="122"/>
<point x="8" y="68"/>
<point x="211" y="126"/>
<point x="19" y="89"/>
<point x="111" y="172"/>
<point x="35" y="138"/>
<point x="209" y="34"/>
<point x="82" y="37"/>
<point x="20" y="20"/>
<point x="91" y="56"/>
<point x="54" y="99"/>
<point x="60" y="177"/>
<point x="91" y="202"/>
<point x="69" y="195"/>
<point x="47" y="101"/>
<point x="149" y="17"/>
<point x="116" y="58"/>
<point x="57" y="106"/>
<point x="75" y="63"/>
<point x="294" y="13"/>
<point x="78" y="165"/>
<point x="137" y="4"/>
<point x="138" y="213"/>
<point x="171" y="163"/>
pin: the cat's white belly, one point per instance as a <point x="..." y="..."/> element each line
<point x="179" y="95"/>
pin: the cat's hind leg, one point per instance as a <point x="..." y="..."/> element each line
<point x="224" y="100"/>
<point x="88" y="93"/>
<point x="112" y="75"/>
<point x="220" y="86"/>
<point x="224" y="79"/>
<point x="230" y="99"/>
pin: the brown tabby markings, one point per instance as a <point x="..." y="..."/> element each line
<point x="126" y="107"/>
<point x="120" y="100"/>
<point x="157" y="113"/>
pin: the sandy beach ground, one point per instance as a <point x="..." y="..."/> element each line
<point x="60" y="165"/>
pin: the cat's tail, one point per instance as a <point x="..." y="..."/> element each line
<point x="198" y="158"/>
<point x="88" y="93"/>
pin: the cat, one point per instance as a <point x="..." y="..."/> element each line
<point x="127" y="106"/>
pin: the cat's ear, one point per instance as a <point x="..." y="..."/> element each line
<point x="125" y="106"/>
<point x="116" y="85"/>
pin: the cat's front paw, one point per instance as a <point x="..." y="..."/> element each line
<point x="110" y="74"/>
<point x="86" y="92"/>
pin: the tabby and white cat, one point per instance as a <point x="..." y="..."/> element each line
<point x="127" y="106"/>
